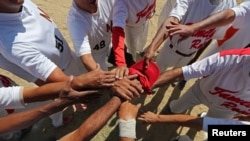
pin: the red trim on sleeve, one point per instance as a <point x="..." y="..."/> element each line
<point x="242" y="51"/>
<point x="118" y="36"/>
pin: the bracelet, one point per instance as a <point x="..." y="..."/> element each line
<point x="127" y="128"/>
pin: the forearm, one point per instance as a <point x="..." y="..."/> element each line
<point x="24" y="119"/>
<point x="57" y="76"/>
<point x="182" y="120"/>
<point x="161" y="34"/>
<point x="219" y="19"/>
<point x="88" y="61"/>
<point x="45" y="92"/>
<point x="95" y="122"/>
<point x="126" y="139"/>
<point x="169" y="77"/>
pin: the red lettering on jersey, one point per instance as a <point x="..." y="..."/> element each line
<point x="229" y="33"/>
<point x="197" y="44"/>
<point x="204" y="33"/>
<point x="109" y="26"/>
<point x="233" y="107"/>
<point x="147" y="12"/>
<point x="227" y="94"/>
<point x="219" y="91"/>
<point x="45" y="15"/>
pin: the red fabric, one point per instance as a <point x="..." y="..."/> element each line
<point x="118" y="36"/>
<point x="142" y="78"/>
<point x="240" y="51"/>
<point x="148" y="76"/>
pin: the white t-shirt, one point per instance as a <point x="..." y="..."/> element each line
<point x="225" y="81"/>
<point x="132" y="13"/>
<point x="30" y="40"/>
<point x="11" y="96"/>
<point x="240" y="26"/>
<point x="91" y="33"/>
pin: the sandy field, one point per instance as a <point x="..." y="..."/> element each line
<point x="43" y="131"/>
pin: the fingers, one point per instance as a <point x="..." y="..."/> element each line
<point x="121" y="72"/>
<point x="84" y="106"/>
<point x="132" y="77"/>
<point x="174" y="23"/>
<point x="127" y="89"/>
<point x="84" y="93"/>
<point x="145" y="63"/>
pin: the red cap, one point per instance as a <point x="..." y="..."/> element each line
<point x="147" y="76"/>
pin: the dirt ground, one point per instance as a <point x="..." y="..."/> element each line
<point x="43" y="131"/>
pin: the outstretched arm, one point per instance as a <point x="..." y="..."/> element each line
<point x="182" y="120"/>
<point x="219" y="19"/>
<point x="95" y="122"/>
<point x="169" y="77"/>
<point x="158" y="39"/>
<point x="99" y="118"/>
<point x="127" y="121"/>
<point x="24" y="119"/>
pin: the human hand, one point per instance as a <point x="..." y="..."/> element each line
<point x="94" y="79"/>
<point x="128" y="110"/>
<point x="121" y="72"/>
<point x="183" y="30"/>
<point x="171" y="21"/>
<point x="148" y="56"/>
<point x="71" y="95"/>
<point x="149" y="117"/>
<point x="127" y="88"/>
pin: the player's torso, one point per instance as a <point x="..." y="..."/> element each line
<point x="229" y="86"/>
<point x="96" y="32"/>
<point x="197" y="11"/>
<point x="37" y="30"/>
<point x="100" y="33"/>
<point x="139" y="11"/>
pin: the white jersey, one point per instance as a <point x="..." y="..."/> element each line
<point x="11" y="96"/>
<point x="237" y="31"/>
<point x="133" y="17"/>
<point x="132" y="13"/>
<point x="31" y="41"/>
<point x="225" y="81"/>
<point x="179" y="53"/>
<point x="197" y="10"/>
<point x="91" y="33"/>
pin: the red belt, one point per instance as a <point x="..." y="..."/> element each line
<point x="180" y="53"/>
